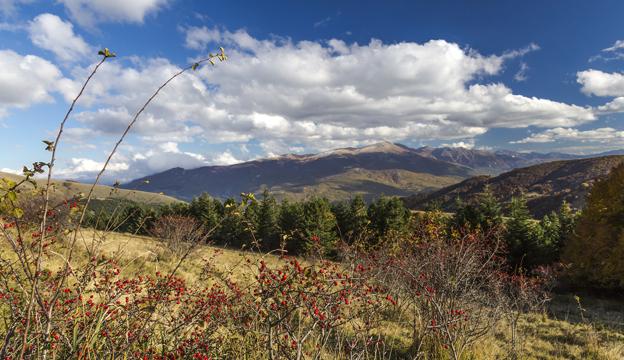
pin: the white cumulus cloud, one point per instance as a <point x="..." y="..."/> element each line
<point x="600" y="83"/>
<point x="461" y="144"/>
<point x="308" y="96"/>
<point x="87" y="169"/>
<point x="27" y="79"/>
<point x="129" y="164"/>
<point x="91" y="12"/>
<point x="51" y="33"/>
<point x="600" y="135"/>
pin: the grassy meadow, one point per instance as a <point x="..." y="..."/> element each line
<point x="561" y="331"/>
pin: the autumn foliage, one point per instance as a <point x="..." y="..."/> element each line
<point x="596" y="250"/>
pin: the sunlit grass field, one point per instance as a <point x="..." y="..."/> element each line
<point x="560" y="332"/>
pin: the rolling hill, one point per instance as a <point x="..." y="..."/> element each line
<point x="65" y="189"/>
<point x="545" y="185"/>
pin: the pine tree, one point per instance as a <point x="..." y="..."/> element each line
<point x="483" y="214"/>
<point x="342" y="214"/>
<point x="133" y="220"/>
<point x="358" y="213"/>
<point x="233" y="230"/>
<point x="491" y="214"/>
<point x="290" y="220"/>
<point x="352" y="219"/>
<point x="551" y="236"/>
<point x="523" y="235"/>
<point x="319" y="225"/>
<point x="267" y="222"/>
<point x="177" y="208"/>
<point x="206" y="210"/>
<point x="464" y="214"/>
<point x="567" y="221"/>
<point x="388" y="215"/>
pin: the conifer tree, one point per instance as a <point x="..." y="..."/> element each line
<point x="342" y="214"/>
<point x="207" y="211"/>
<point x="388" y="214"/>
<point x="233" y="230"/>
<point x="483" y="214"/>
<point x="319" y="225"/>
<point x="523" y="235"/>
<point x="290" y="219"/>
<point x="551" y="236"/>
<point x="352" y="219"/>
<point x="490" y="210"/>
<point x="267" y="222"/>
<point x="567" y="221"/>
<point x="358" y="213"/>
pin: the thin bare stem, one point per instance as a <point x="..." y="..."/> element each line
<point x="54" y="147"/>
<point x="105" y="166"/>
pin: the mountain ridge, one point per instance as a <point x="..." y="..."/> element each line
<point x="294" y="174"/>
<point x="383" y="168"/>
<point x="545" y="185"/>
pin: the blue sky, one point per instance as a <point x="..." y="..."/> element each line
<point x="307" y="76"/>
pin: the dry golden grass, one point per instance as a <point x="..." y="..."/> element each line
<point x="546" y="338"/>
<point x="542" y="336"/>
<point x="148" y="255"/>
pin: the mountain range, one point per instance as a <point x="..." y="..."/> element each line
<point x="380" y="169"/>
<point x="490" y="162"/>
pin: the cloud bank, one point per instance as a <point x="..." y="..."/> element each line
<point x="282" y="95"/>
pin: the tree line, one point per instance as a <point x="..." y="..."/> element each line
<point x="265" y="222"/>
<point x="299" y="226"/>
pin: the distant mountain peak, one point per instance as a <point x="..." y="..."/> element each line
<point x="380" y="147"/>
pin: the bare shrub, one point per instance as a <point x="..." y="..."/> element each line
<point x="524" y="294"/>
<point x="449" y="291"/>
<point x="178" y="233"/>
